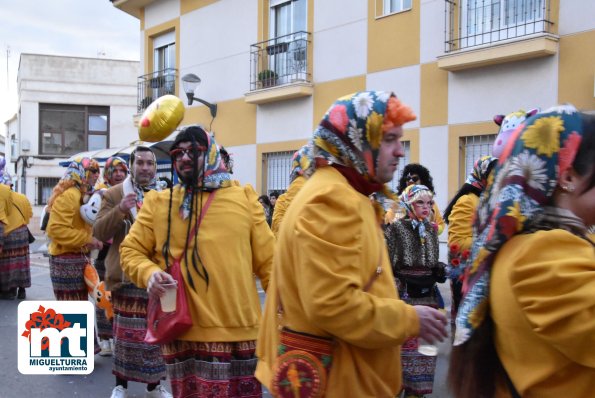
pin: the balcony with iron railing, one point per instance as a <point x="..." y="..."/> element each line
<point x="485" y="32"/>
<point x="154" y="85"/>
<point x="280" y="68"/>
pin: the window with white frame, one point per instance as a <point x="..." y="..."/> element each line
<point x="277" y="166"/>
<point x="474" y="147"/>
<point x="393" y="6"/>
<point x="487" y="21"/>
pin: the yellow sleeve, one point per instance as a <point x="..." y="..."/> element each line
<point x="60" y="227"/>
<point x="262" y="239"/>
<point x="330" y="233"/>
<point x="553" y="280"/>
<point x="284" y="201"/>
<point x="137" y="249"/>
<point x="460" y="226"/>
<point x="438" y="218"/>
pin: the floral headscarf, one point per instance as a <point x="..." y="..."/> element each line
<point x="216" y="175"/>
<point x="79" y="171"/>
<point x="407" y="198"/>
<point x="352" y="129"/>
<point x="301" y="161"/>
<point x="479" y="175"/>
<point x="516" y="199"/>
<point x="110" y="166"/>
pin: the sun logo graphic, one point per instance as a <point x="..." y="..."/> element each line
<point x="56" y="337"/>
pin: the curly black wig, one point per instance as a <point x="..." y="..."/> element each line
<point x="424" y="177"/>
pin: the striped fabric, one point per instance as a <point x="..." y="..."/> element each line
<point x="14" y="260"/>
<point x="66" y="273"/>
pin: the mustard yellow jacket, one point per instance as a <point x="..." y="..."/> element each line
<point x="234" y="243"/>
<point x="68" y="232"/>
<point x="283" y="202"/>
<point x="542" y="300"/>
<point x="15" y="218"/>
<point x="5" y="204"/>
<point x="329" y="246"/>
<point x="460" y="221"/>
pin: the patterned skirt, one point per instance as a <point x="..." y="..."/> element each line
<point x="67" y="275"/>
<point x="14" y="260"/>
<point x="134" y="360"/>
<point x="213" y="370"/>
<point x="104" y="326"/>
<point x="418" y="369"/>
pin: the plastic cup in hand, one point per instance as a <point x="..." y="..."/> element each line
<point x="426" y="348"/>
<point x="168" y="300"/>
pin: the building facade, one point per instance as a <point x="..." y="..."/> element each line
<point x="67" y="105"/>
<point x="273" y="67"/>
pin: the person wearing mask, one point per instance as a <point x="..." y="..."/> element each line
<point x="218" y="256"/>
<point x="525" y="326"/>
<point x="134" y="360"/>
<point x="332" y="281"/>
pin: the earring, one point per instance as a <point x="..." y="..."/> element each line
<point x="568" y="188"/>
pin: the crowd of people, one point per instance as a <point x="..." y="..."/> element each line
<point x="351" y="286"/>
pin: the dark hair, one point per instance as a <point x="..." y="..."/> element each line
<point x="274" y="194"/>
<point x="197" y="136"/>
<point x="265" y="199"/>
<point x="227" y="159"/>
<point x="464" y="190"/>
<point x="424" y="177"/>
<point x="140" y="148"/>
<point x="585" y="157"/>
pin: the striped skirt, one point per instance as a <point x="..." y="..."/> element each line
<point x="213" y="370"/>
<point x="14" y="260"/>
<point x="67" y="275"/>
<point x="134" y="360"/>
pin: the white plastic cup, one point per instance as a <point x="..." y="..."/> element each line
<point x="426" y="348"/>
<point x="168" y="300"/>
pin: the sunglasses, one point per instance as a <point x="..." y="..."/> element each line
<point x="178" y="153"/>
<point x="412" y="178"/>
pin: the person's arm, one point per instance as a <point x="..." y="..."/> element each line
<point x="60" y="229"/>
<point x="262" y="240"/>
<point x="460" y="226"/>
<point x="329" y="235"/>
<point x="554" y="283"/>
<point x="110" y="217"/>
<point x="137" y="249"/>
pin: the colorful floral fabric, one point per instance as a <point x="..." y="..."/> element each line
<point x="300" y="162"/>
<point x="517" y="192"/>
<point x="79" y="170"/>
<point x="110" y="166"/>
<point x="352" y="129"/>
<point x="409" y="195"/>
<point x="479" y="175"/>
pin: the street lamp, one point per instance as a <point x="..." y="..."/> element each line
<point x="189" y="82"/>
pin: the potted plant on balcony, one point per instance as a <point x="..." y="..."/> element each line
<point x="267" y="78"/>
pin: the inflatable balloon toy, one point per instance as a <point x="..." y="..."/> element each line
<point x="90" y="209"/>
<point x="508" y="124"/>
<point x="96" y="289"/>
<point x="161" y="118"/>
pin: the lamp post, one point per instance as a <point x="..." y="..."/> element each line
<point x="189" y="82"/>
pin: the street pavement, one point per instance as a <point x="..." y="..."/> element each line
<point x="101" y="381"/>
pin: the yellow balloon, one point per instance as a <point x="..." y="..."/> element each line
<point x="161" y="118"/>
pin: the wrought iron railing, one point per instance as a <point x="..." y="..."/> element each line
<point x="279" y="61"/>
<point x="472" y="23"/>
<point x="153" y="85"/>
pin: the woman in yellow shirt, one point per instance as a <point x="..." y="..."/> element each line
<point x="70" y="235"/>
<point x="526" y="323"/>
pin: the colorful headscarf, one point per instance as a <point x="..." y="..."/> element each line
<point x="110" y="166"/>
<point x="79" y="171"/>
<point x="352" y="129"/>
<point x="2" y="165"/>
<point x="5" y="178"/>
<point x="407" y="198"/>
<point x="479" y="175"/>
<point x="300" y="162"/>
<point x="516" y="199"/>
<point x="216" y="175"/>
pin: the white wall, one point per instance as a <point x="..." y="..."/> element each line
<point x="576" y="16"/>
<point x="162" y="11"/>
<point x="431" y="30"/>
<point x="479" y="94"/>
<point x="284" y="120"/>
<point x="404" y="82"/>
<point x="329" y="14"/>
<point x="244" y="168"/>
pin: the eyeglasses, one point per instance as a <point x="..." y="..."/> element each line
<point x="94" y="171"/>
<point x="421" y="203"/>
<point x="178" y="153"/>
<point x="413" y="178"/>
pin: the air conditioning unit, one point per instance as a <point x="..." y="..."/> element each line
<point x="25" y="145"/>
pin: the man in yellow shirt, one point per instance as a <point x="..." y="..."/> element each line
<point x="332" y="286"/>
<point x="218" y="257"/>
